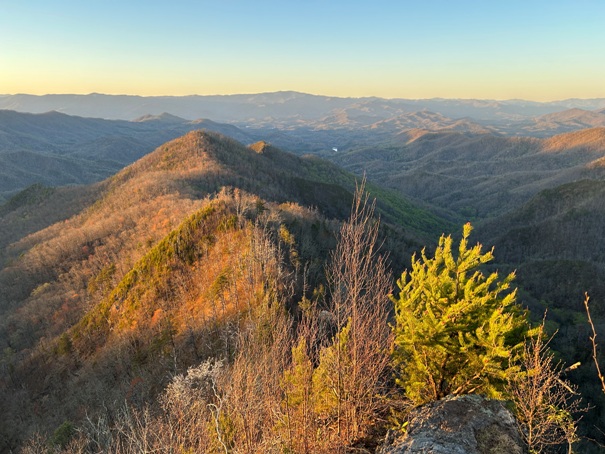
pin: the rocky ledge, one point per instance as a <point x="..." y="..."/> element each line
<point x="468" y="424"/>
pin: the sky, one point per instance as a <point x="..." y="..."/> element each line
<point x="530" y="49"/>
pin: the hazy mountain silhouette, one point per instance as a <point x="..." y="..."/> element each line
<point x="288" y="109"/>
<point x="567" y="120"/>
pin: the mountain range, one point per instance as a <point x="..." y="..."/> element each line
<point x="67" y="149"/>
<point x="291" y="110"/>
<point x="131" y="248"/>
<point x="57" y="149"/>
<point x="479" y="175"/>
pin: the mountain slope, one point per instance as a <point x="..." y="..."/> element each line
<point x="479" y="175"/>
<point x="569" y="120"/>
<point x="55" y="149"/>
<point x="592" y="140"/>
<point x="553" y="243"/>
<point x="301" y="114"/>
<point x="147" y="278"/>
<point x="160" y="265"/>
<point x="75" y="150"/>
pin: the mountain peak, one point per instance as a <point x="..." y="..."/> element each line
<point x="577" y="115"/>
<point x="260" y="147"/>
<point x="164" y="117"/>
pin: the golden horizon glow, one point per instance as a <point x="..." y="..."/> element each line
<point x="536" y="94"/>
<point x="442" y="50"/>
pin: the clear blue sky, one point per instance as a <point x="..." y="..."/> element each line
<point x="530" y="49"/>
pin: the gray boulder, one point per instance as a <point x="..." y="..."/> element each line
<point x="468" y="424"/>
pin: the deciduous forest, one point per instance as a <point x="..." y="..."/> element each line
<point x="217" y="297"/>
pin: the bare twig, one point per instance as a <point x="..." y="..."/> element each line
<point x="594" y="343"/>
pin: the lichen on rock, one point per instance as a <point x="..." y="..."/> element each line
<point x="469" y="424"/>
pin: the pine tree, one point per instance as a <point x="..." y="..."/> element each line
<point x="298" y="394"/>
<point x="457" y="331"/>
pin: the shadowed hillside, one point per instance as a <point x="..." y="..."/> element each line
<point x="554" y="241"/>
<point x="55" y="149"/>
<point x="481" y="175"/>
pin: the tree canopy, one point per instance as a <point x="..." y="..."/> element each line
<point x="457" y="330"/>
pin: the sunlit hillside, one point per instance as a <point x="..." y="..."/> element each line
<point x="159" y="268"/>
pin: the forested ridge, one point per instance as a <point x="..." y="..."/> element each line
<point x="165" y="257"/>
<point x="213" y="297"/>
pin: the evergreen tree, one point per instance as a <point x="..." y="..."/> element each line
<point x="297" y="402"/>
<point x="457" y="331"/>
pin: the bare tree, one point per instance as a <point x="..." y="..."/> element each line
<point x="359" y="285"/>
<point x="545" y="402"/>
<point x="250" y="399"/>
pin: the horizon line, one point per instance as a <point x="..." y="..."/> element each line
<point x="303" y="93"/>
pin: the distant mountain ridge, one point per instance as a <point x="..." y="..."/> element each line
<point x="480" y="175"/>
<point x="569" y="120"/>
<point x="291" y="109"/>
<point x="56" y="149"/>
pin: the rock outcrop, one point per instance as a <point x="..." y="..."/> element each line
<point x="468" y="424"/>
